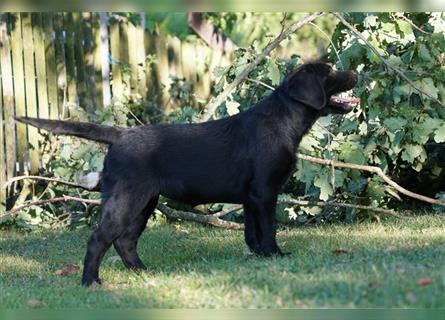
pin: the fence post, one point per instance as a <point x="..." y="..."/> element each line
<point x="30" y="87"/>
<point x="116" y="71"/>
<point x="42" y="89"/>
<point x="105" y="58"/>
<point x="62" y="86"/>
<point x="51" y="71"/>
<point x="70" y="60"/>
<point x="87" y="30"/>
<point x="19" y="87"/>
<point x="2" y="148"/>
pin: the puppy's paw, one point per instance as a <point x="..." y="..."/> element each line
<point x="91" y="282"/>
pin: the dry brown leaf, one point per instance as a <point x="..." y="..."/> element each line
<point x="424" y="281"/>
<point x="67" y="270"/>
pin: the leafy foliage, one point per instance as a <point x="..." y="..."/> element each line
<point x="395" y="127"/>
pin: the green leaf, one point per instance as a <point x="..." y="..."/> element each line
<point x="424" y="53"/>
<point x="274" y="73"/>
<point x="404" y="27"/>
<point x="395" y="123"/>
<point x="420" y="134"/>
<point x="411" y="152"/>
<point x="439" y="134"/>
<point x="355" y="156"/>
<point x="427" y="85"/>
<point x="308" y="142"/>
<point x="323" y="183"/>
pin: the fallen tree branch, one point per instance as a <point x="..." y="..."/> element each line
<point x="372" y="169"/>
<point x="87" y="185"/>
<point x="306" y="203"/>
<point x="385" y="62"/>
<point x="64" y="198"/>
<point x="212" y="219"/>
<point x="196" y="217"/>
<point x="214" y="103"/>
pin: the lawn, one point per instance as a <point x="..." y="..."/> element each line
<point x="396" y="263"/>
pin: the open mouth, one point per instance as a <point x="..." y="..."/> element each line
<point x="343" y="104"/>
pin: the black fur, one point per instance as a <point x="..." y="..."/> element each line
<point x="242" y="159"/>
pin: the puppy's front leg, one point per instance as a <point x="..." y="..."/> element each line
<point x="262" y="205"/>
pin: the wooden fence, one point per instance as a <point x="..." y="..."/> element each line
<point x="49" y="61"/>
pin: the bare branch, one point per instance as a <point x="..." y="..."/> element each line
<point x="214" y="103"/>
<point x="412" y="24"/>
<point x="225" y="212"/>
<point x="64" y="198"/>
<point x="372" y="169"/>
<point x="261" y="83"/>
<point x="196" y="217"/>
<point x="85" y="186"/>
<point x="385" y="62"/>
<point x="306" y="203"/>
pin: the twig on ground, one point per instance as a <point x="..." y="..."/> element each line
<point x="385" y="62"/>
<point x="214" y="103"/>
<point x="225" y="212"/>
<point x="342" y="205"/>
<point x="196" y="217"/>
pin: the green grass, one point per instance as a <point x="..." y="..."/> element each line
<point x="207" y="267"/>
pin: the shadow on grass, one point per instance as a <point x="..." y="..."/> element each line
<point x="326" y="269"/>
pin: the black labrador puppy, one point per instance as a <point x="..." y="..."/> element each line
<point x="242" y="159"/>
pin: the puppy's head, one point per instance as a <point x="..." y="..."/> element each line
<point x="316" y="84"/>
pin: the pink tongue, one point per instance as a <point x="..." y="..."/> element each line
<point x="349" y="101"/>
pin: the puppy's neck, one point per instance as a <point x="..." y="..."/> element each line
<point x="295" y="116"/>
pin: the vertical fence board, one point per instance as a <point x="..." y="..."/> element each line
<point x="30" y="87"/>
<point x="116" y="60"/>
<point x="2" y="144"/>
<point x="70" y="59"/>
<point x="162" y="69"/>
<point x="89" y="59"/>
<point x="79" y="59"/>
<point x="124" y="55"/>
<point x="202" y="87"/>
<point x="148" y="39"/>
<point x="97" y="47"/>
<point x="19" y="87"/>
<point x="62" y="87"/>
<point x="105" y="57"/>
<point x="42" y="89"/>
<point x="174" y="45"/>
<point x="132" y="56"/>
<point x="188" y="69"/>
<point x="8" y="97"/>
<point x="141" y="86"/>
<point x="50" y="60"/>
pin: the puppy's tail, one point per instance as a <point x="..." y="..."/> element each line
<point x="90" y="131"/>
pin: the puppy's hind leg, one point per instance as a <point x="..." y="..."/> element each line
<point x="252" y="231"/>
<point x="126" y="244"/>
<point x="120" y="209"/>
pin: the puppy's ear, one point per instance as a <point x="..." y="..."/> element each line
<point x="306" y="88"/>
